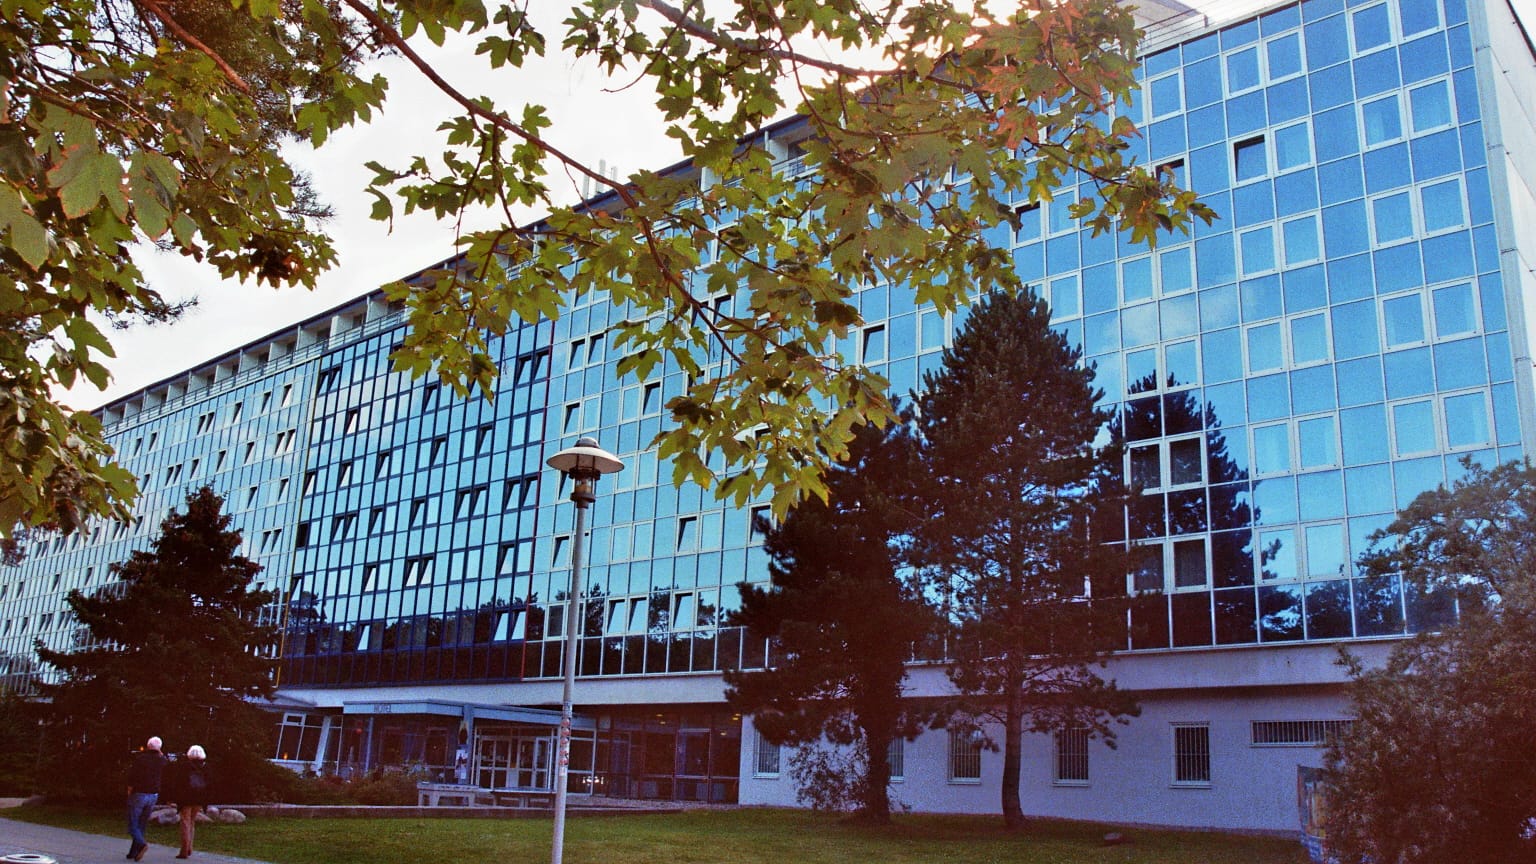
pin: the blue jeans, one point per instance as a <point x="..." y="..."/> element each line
<point x="139" y="806"/>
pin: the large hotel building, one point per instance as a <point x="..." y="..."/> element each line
<point x="1352" y="327"/>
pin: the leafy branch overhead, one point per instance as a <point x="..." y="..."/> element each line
<point x="161" y="121"/>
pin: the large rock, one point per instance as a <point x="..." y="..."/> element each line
<point x="229" y="816"/>
<point x="164" y="816"/>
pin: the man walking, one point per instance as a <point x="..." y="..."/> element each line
<point x="143" y="790"/>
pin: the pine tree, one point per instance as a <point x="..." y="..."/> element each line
<point x="1015" y="488"/>
<point x="844" y="620"/>
<point x="174" y="647"/>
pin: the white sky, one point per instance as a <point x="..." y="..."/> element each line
<point x="594" y="119"/>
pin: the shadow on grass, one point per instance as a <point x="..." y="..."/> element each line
<point x="746" y="835"/>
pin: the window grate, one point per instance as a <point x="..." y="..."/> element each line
<point x="1072" y="755"/>
<point x="1297" y="733"/>
<point x="767" y="758"/>
<point x="964" y="756"/>
<point x="1192" y="754"/>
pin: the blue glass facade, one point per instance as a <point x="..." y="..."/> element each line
<point x="1284" y="380"/>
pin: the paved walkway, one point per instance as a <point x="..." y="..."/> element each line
<point x="77" y="847"/>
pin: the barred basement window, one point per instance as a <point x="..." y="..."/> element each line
<point x="896" y="757"/>
<point x="765" y="761"/>
<point x="964" y="756"/>
<point x="1297" y="733"/>
<point x="1191" y="754"/>
<point x="1072" y="755"/>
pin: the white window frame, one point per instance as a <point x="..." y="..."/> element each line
<point x="767" y="757"/>
<point x="1392" y="29"/>
<point x="1257" y="47"/>
<point x="1488" y="419"/>
<point x="1071" y="752"/>
<point x="1403" y="120"/>
<point x="1189" y="757"/>
<point x="1436" y="433"/>
<point x="963" y="762"/>
<point x="1268" y="75"/>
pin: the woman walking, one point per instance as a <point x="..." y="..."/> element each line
<point x="191" y="784"/>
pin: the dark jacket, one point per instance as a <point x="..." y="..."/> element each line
<point x="145" y="772"/>
<point x="190" y="783"/>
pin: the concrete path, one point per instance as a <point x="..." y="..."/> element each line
<point x="77" y="847"/>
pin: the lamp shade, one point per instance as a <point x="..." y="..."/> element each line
<point x="586" y="456"/>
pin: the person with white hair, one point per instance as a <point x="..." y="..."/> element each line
<point x="190" y="787"/>
<point x="144" y="776"/>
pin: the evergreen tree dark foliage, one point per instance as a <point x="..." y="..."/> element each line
<point x="843" y="620"/>
<point x="1024" y="522"/>
<point x="175" y="647"/>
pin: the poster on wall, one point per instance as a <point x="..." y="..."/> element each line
<point x="1312" y="808"/>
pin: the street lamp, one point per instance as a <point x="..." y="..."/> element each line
<point x="583" y="463"/>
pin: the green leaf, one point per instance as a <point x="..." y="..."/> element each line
<point x="27" y="235"/>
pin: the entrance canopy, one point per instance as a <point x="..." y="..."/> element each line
<point x="466" y="711"/>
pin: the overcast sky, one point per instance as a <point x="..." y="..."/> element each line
<point x="594" y="118"/>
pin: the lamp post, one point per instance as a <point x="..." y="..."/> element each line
<point x="583" y="463"/>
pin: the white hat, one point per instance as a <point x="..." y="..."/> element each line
<point x="196" y="752"/>
<point x="153" y="743"/>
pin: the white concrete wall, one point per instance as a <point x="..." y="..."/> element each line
<point x="1507" y="84"/>
<point x="1251" y="788"/>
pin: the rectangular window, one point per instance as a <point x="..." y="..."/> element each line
<point x="1413" y="427"/>
<point x="896" y="758"/>
<point x="1028" y="216"/>
<point x="1455" y="311"/>
<point x="873" y="349"/>
<point x="687" y="533"/>
<point x="1191" y="754"/>
<point x="1466" y="421"/>
<point x="1372" y="27"/>
<point x="1431" y="106"/>
<point x="1382" y="121"/>
<point x="1249" y="160"/>
<point x="1441" y="206"/>
<point x="1072" y="755"/>
<point x="1293" y="147"/>
<point x="1167" y="95"/>
<point x="530" y="367"/>
<point x="418" y="571"/>
<point x="1297" y="733"/>
<point x="341" y="527"/>
<point x="1189" y="563"/>
<point x="1277" y="559"/>
<point x="1417" y="16"/>
<point x="765" y="758"/>
<point x="1403" y="317"/>
<point x="964" y="756"/>
<point x="1060" y="211"/>
<point x="1258" y="248"/>
<point x="1242" y="70"/>
<point x="1283" y="54"/>
<point x="470" y="502"/>
<point x="435" y="450"/>
<point x="1392" y="217"/>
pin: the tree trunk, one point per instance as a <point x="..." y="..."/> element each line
<point x="1013" y="733"/>
<point x="876" y="808"/>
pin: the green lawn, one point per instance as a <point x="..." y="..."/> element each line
<point x="750" y="836"/>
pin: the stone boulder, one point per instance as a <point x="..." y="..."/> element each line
<point x="228" y="816"/>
